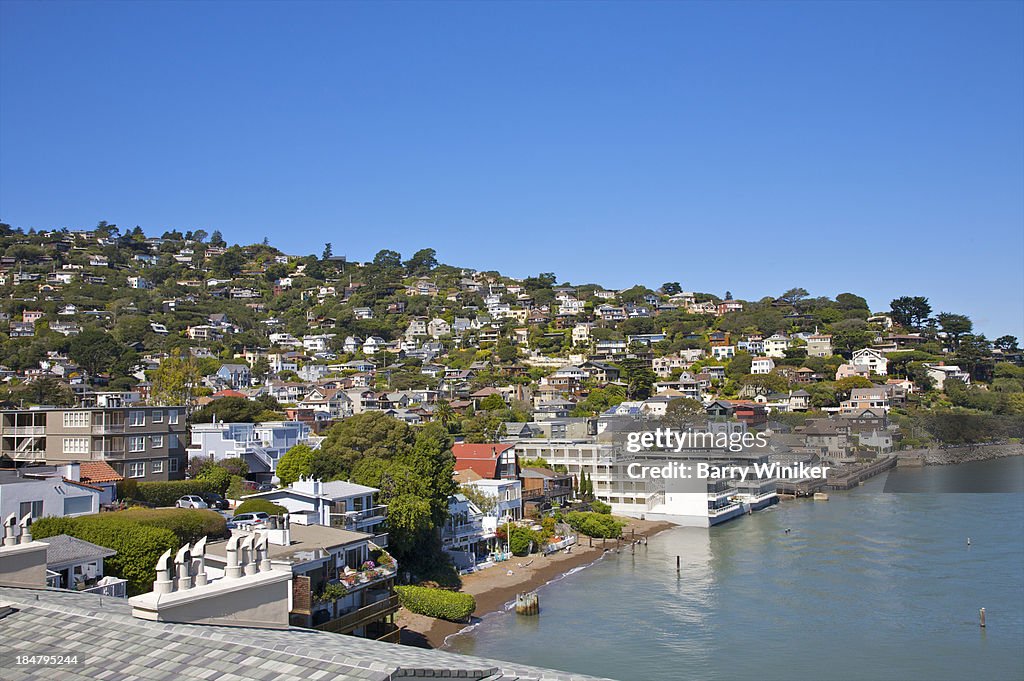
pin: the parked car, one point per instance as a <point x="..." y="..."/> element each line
<point x="258" y="518"/>
<point x="216" y="501"/>
<point x="264" y="487"/>
<point x="191" y="501"/>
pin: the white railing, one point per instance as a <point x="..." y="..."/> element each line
<point x="114" y="589"/>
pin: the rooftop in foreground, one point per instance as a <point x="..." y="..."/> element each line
<point x="115" y="645"/>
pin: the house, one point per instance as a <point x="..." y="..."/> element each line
<point x="362" y="313"/>
<point x="601" y="371"/>
<point x="463" y="536"/>
<point x="776" y="345"/>
<point x="73" y="563"/>
<point x="727" y="306"/>
<point x="723" y="352"/>
<point x="101" y="475"/>
<point x="544" y="489"/>
<point x="373" y="345"/>
<point x="260" y="445"/>
<point x="41" y="491"/>
<point x="506" y="498"/>
<point x="762" y="365"/>
<point x="819" y="345"/>
<point x="328" y="403"/>
<point x="848" y="370"/>
<point x="351" y="344"/>
<point x="940" y="372"/>
<point x="438" y="328"/>
<point x="866" y="398"/>
<point x="873" y="360"/>
<point x="489" y="461"/>
<point x="235" y="375"/>
<point x="336" y="503"/>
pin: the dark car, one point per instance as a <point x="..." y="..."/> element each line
<point x="264" y="487"/>
<point x="216" y="501"/>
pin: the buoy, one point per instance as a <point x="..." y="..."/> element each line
<point x="968" y="541"/>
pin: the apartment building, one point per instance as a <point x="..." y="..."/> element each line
<point x="140" y="443"/>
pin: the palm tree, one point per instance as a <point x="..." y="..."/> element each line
<point x="444" y="414"/>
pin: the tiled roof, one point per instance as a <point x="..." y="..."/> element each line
<point x="98" y="471"/>
<point x="63" y="549"/>
<point x="114" y="646"/>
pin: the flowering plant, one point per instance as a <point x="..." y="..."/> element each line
<point x="368" y="565"/>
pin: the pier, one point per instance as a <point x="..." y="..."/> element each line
<point x="851" y="478"/>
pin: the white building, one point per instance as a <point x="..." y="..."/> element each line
<point x="337" y="503"/>
<point x="508" y="504"/>
<point x="940" y="372"/>
<point x="42" y="491"/>
<point x="762" y="365"/>
<point x="776" y="345"/>
<point x="872" y="360"/>
<point x="259" y="445"/>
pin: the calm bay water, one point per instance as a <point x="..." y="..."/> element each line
<point x="869" y="585"/>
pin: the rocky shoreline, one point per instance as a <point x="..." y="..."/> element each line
<point x="965" y="454"/>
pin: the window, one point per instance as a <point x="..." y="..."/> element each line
<point x="137" y="469"/>
<point x="78" y="505"/>
<point x="172" y="465"/>
<point x="33" y="507"/>
<point x="137" y="443"/>
<point x="76" y="419"/>
<point x="136" y="418"/>
<point x="172" y="416"/>
<point x="156" y="441"/>
<point x="158" y="416"/>
<point x="158" y="467"/>
<point x="76" y="445"/>
<point x="172" y="441"/>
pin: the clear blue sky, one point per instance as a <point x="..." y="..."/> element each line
<point x="868" y="147"/>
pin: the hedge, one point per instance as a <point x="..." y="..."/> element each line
<point x="188" y="525"/>
<point x="594" y="524"/>
<point x="138" y="546"/>
<point x="599" y="506"/>
<point x="168" y="493"/>
<point x="453" y="606"/>
<point x="257" y="505"/>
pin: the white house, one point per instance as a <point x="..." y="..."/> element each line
<point x="42" y="491"/>
<point x="871" y="359"/>
<point x="776" y="345"/>
<point x="259" y="445"/>
<point x="508" y="501"/>
<point x="940" y="372"/>
<point x="762" y="365"/>
<point x="337" y="503"/>
<point x="723" y="352"/>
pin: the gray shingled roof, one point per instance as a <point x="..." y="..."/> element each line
<point x="114" y="646"/>
<point x="65" y="550"/>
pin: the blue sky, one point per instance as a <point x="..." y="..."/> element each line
<point x="876" y="148"/>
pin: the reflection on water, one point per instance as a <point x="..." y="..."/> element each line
<point x="866" y="585"/>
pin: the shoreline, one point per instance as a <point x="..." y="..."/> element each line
<point x="951" y="456"/>
<point x="494" y="588"/>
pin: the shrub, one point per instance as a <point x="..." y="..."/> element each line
<point x="188" y="525"/>
<point x="594" y="524"/>
<point x="237" y="487"/>
<point x="138" y="546"/>
<point x="600" y="507"/>
<point x="168" y="493"/>
<point x="523" y="541"/>
<point x="257" y="505"/>
<point x="217" y="476"/>
<point x="440" y="603"/>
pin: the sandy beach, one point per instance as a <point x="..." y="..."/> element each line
<point x="494" y="587"/>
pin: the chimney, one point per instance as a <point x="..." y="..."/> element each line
<point x="250" y="594"/>
<point x="22" y="559"/>
<point x="72" y="471"/>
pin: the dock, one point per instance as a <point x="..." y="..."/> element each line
<point x="849" y="479"/>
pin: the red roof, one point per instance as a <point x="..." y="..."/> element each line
<point x="482" y="459"/>
<point x="97" y="471"/>
<point x="228" y="393"/>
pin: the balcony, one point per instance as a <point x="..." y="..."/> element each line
<point x="25" y="430"/>
<point x="104" y="428"/>
<point x="361" y="617"/>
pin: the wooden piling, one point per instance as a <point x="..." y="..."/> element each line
<point x="677" y="564"/>
<point x="981" y="616"/>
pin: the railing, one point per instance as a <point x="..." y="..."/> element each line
<point x="25" y="430"/>
<point x="101" y="428"/>
<point x="116" y="589"/>
<point x="361" y="616"/>
<point x="655" y="499"/>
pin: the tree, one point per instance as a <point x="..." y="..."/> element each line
<point x="94" y="350"/>
<point x="910" y="311"/>
<point x="422" y="262"/>
<point x="1006" y="343"/>
<point x="216" y="475"/>
<point x="682" y="413"/>
<point x="639" y="379"/>
<point x="671" y="288"/>
<point x="328" y="252"/>
<point x="444" y="414"/>
<point x="296" y="462"/>
<point x="217" y="240"/>
<point x="954" y="326"/>
<point x="261" y="367"/>
<point x="493" y="403"/>
<point x="849" y="301"/>
<point x="388" y="259"/>
<point x="793" y="296"/>
<point x="175" y="379"/>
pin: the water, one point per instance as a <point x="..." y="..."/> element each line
<point x="869" y="585"/>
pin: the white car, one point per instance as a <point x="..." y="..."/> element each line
<point x="191" y="501"/>
<point x="258" y="518"/>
